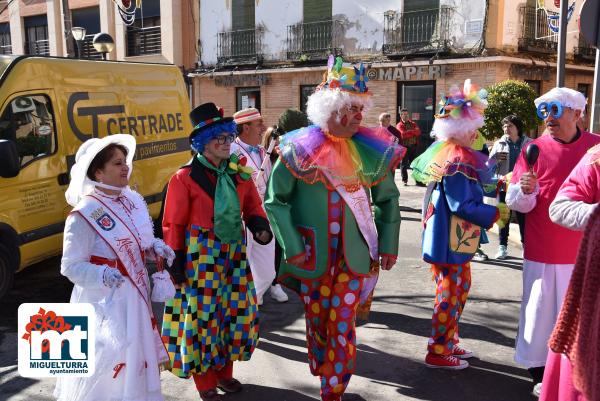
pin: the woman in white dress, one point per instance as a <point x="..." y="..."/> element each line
<point x="107" y="238"/>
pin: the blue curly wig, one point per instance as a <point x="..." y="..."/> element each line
<point x="203" y="137"/>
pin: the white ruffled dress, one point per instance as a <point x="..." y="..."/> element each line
<point x="128" y="349"/>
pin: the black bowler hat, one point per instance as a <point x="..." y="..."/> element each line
<point x="206" y="115"/>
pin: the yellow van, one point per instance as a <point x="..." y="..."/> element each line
<point x="48" y="107"/>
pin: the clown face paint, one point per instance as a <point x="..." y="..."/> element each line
<point x="345" y="122"/>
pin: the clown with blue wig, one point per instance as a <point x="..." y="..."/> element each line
<point x="455" y="216"/>
<point x="213" y="319"/>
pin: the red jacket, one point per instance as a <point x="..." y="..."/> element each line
<point x="188" y="203"/>
<point x="409" y="131"/>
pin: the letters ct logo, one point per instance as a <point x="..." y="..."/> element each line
<point x="56" y="340"/>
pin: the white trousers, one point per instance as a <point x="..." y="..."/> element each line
<point x="262" y="263"/>
<point x="544" y="288"/>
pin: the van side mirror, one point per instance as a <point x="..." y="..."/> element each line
<point x="9" y="159"/>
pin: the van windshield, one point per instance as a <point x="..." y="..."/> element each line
<point x="5" y="62"/>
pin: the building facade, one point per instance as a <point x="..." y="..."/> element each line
<point x="255" y="54"/>
<point x="163" y="31"/>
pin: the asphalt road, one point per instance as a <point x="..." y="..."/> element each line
<point x="391" y="346"/>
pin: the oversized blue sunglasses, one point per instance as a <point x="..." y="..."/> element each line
<point x="544" y="109"/>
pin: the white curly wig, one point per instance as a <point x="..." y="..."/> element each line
<point x="461" y="113"/>
<point x="447" y="128"/>
<point x="323" y="103"/>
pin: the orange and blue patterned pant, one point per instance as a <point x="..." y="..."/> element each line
<point x="452" y="288"/>
<point x="330" y="306"/>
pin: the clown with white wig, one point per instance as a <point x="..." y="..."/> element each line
<point x="319" y="205"/>
<point x="108" y="237"/>
<point x="550" y="249"/>
<point x="455" y="216"/>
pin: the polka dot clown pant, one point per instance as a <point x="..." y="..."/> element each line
<point x="330" y="304"/>
<point x="452" y="288"/>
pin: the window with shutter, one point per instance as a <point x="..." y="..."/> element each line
<point x="36" y="35"/>
<point x="316" y="10"/>
<point x="243" y="37"/>
<point x="317" y="27"/>
<point x="5" y="43"/>
<point x="88" y="18"/>
<point x="416" y="5"/>
<point x="242" y="15"/>
<point x="143" y="36"/>
<point x="419" y="22"/>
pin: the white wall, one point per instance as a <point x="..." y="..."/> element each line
<point x="215" y="17"/>
<point x="513" y="23"/>
<point x="363" y="23"/>
<point x="274" y="16"/>
<point x="466" y="12"/>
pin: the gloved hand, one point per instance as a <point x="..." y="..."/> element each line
<point x="112" y="278"/>
<point x="163" y="250"/>
<point x="504" y="213"/>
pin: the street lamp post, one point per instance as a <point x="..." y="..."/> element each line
<point x="78" y="34"/>
<point x="103" y="43"/>
<point x="562" y="43"/>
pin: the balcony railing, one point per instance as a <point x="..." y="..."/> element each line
<point x="39" y="47"/>
<point x="314" y="40"/>
<point x="421" y="31"/>
<point x="536" y="35"/>
<point x="240" y="47"/>
<point x="87" y="48"/>
<point x="584" y="50"/>
<point x="143" y="41"/>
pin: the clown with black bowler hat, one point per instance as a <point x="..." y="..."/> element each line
<point x="213" y="319"/>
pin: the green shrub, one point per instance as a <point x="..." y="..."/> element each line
<point x="505" y="98"/>
<point x="292" y="119"/>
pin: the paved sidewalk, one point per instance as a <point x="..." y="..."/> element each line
<point x="391" y="346"/>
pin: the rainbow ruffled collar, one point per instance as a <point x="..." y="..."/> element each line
<point x="360" y="161"/>
<point x="446" y="158"/>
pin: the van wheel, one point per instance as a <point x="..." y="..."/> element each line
<point x="7" y="271"/>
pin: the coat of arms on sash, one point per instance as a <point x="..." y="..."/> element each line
<point x="105" y="222"/>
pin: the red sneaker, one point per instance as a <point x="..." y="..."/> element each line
<point x="436" y="361"/>
<point x="461" y="353"/>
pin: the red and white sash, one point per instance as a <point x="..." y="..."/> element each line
<point x="121" y="240"/>
<point x="125" y="243"/>
<point x="359" y="204"/>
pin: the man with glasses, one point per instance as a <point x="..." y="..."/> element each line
<point x="549" y="249"/>
<point x="213" y="319"/>
<point x="251" y="128"/>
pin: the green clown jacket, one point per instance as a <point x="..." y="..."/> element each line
<point x="298" y="213"/>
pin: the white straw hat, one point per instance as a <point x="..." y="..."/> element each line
<point x="80" y="184"/>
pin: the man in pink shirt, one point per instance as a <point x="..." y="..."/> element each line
<point x="549" y="249"/>
<point x="575" y="203"/>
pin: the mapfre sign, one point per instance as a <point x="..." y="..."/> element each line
<point x="410" y="73"/>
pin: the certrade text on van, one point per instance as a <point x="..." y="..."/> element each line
<point x="134" y="125"/>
